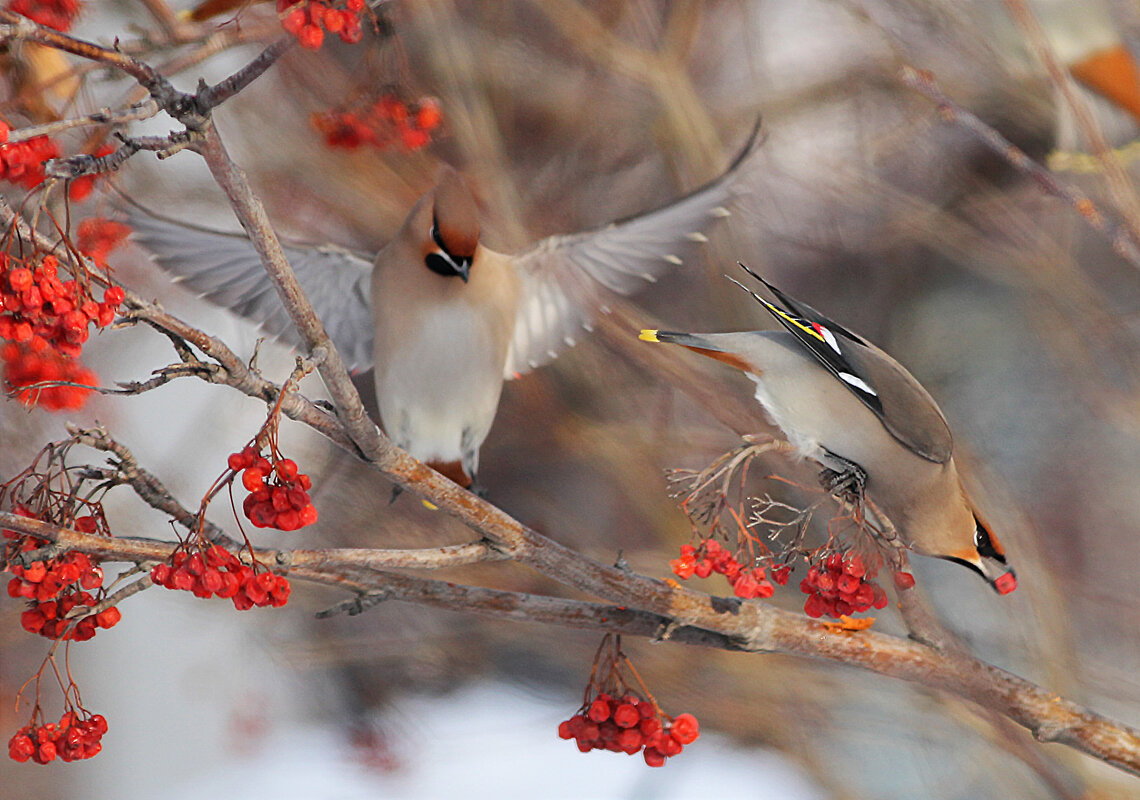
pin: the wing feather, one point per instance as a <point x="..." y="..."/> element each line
<point x="226" y="269"/>
<point x="563" y="278"/>
<point x="906" y="409"/>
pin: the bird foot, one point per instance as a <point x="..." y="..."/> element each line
<point x="847" y="483"/>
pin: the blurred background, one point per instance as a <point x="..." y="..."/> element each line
<point x="566" y="115"/>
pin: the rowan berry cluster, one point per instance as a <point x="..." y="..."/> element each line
<point x="46" y="321"/>
<point x="34" y="364"/>
<point x="630" y="724"/>
<point x="58" y="589"/>
<point x="309" y="19"/>
<point x="22" y="163"/>
<point x="841" y="585"/>
<point x="216" y="572"/>
<point x="36" y="303"/>
<point x="74" y="738"/>
<point x="388" y="119"/>
<point x="613" y="716"/>
<point x="711" y="556"/>
<point x="279" y="494"/>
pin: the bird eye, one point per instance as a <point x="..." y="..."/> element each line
<point x="984" y="543"/>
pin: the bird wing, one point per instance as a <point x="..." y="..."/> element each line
<point x="226" y="269"/>
<point x="562" y="279"/>
<point x="905" y="408"/>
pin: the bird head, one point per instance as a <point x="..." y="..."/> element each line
<point x="454" y="233"/>
<point x="987" y="558"/>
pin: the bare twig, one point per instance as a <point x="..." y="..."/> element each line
<point x="105" y="116"/>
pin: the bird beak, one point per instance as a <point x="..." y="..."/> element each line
<point x="998" y="575"/>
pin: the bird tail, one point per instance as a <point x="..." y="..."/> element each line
<point x="675" y="337"/>
<point x="704" y="345"/>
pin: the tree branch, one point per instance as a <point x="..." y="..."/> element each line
<point x="708" y="621"/>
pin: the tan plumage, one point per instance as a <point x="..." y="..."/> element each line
<point x="441" y="343"/>
<point x="444" y="319"/>
<point x="846" y="404"/>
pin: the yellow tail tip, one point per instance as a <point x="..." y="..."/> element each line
<point x="648" y="336"/>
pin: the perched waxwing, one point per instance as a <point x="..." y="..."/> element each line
<point x="443" y="319"/>
<point x="844" y="403"/>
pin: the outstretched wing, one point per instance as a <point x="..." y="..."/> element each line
<point x="906" y="409"/>
<point x="225" y="268"/>
<point x="563" y="278"/>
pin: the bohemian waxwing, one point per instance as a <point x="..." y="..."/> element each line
<point x="846" y="404"/>
<point x="443" y="319"/>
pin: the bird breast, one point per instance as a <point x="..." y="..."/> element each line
<point x="440" y="349"/>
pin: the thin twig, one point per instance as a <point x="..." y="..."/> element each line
<point x="105" y="116"/>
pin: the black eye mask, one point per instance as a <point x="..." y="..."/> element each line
<point x="441" y="262"/>
<point x="984" y="544"/>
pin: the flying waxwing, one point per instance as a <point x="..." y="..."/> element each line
<point x="443" y="319"/>
<point x="846" y="404"/>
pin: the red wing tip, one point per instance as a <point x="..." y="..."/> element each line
<point x="1006" y="583"/>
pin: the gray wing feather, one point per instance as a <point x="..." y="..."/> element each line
<point x="562" y="278"/>
<point x="226" y="269"/>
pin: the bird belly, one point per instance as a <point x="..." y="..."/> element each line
<point x="438" y="394"/>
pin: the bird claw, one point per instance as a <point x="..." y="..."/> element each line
<point x="847" y="484"/>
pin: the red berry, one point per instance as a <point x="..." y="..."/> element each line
<point x="287" y="521"/>
<point x="253" y="479"/>
<point x="307" y="515"/>
<point x="683" y="567"/>
<point x="630" y="740"/>
<point x="847" y="583"/>
<point x="108" y="617"/>
<point x="904" y="580"/>
<point x="160" y="574"/>
<point x="654" y="757"/>
<point x="626" y="716"/>
<point x="815" y="606"/>
<point x="854" y="566"/>
<point x="649" y="726"/>
<point x="599" y="710"/>
<point x="685" y="728"/>
<point x="311" y="37"/>
<point x="428" y="116"/>
<point x="195" y="564"/>
<point x="294" y="21"/>
<point x="286" y="469"/>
